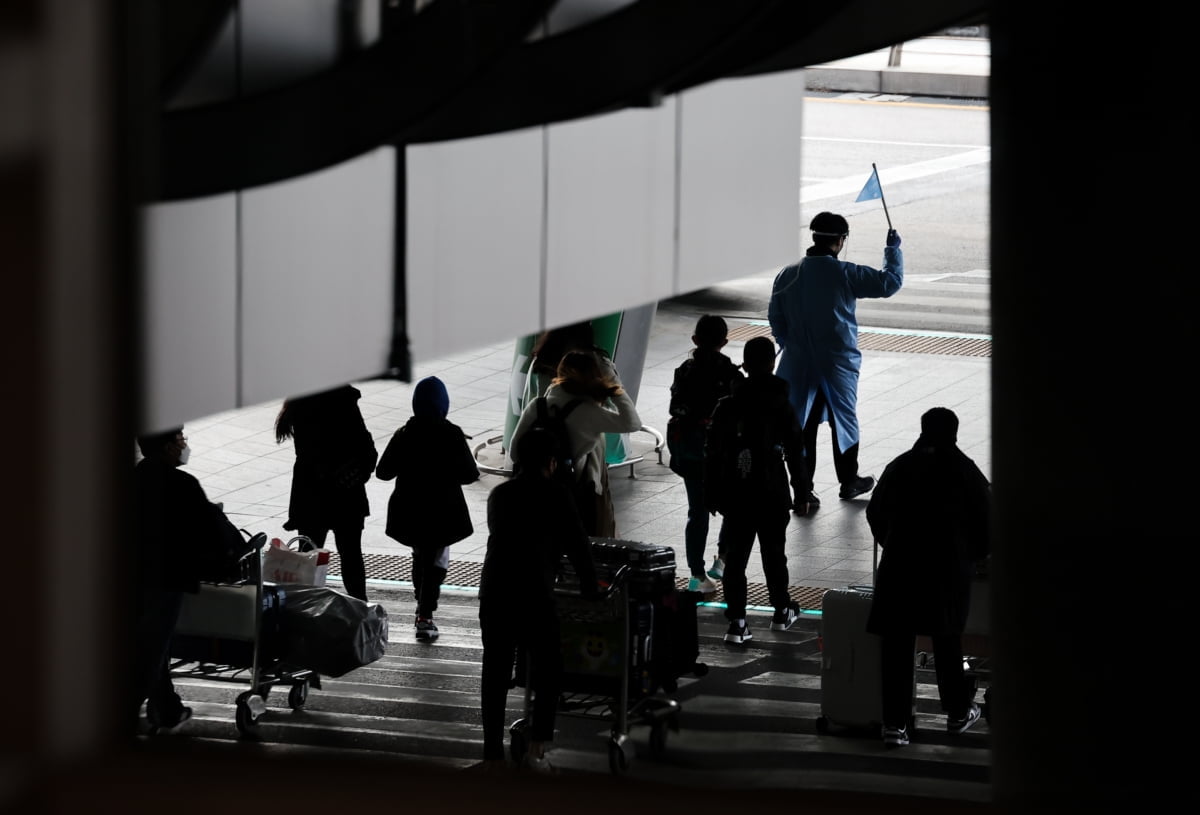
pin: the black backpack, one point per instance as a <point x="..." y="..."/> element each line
<point x="553" y="418"/>
<point x="750" y="461"/>
<point x="695" y="390"/>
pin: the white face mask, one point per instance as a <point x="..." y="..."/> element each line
<point x="184" y="454"/>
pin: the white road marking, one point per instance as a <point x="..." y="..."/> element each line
<point x="849" y="186"/>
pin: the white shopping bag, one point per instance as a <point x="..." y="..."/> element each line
<point x="295" y="562"/>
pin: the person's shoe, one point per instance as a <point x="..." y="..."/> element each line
<point x="702" y="584"/>
<point x="185" y="713"/>
<point x="718" y="568"/>
<point x="738" y="634"/>
<point x="785" y="617"/>
<point x="895" y="736"/>
<point x="806" y="505"/>
<point x="426" y="630"/>
<point x="964" y="724"/>
<point x="860" y="485"/>
<point x="538" y="764"/>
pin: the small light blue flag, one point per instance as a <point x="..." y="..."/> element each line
<point x="871" y="189"/>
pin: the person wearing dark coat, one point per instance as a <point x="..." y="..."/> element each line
<point x="335" y="456"/>
<point x="753" y="438"/>
<point x="430" y="461"/>
<point x="930" y="514"/>
<point x="176" y="527"/>
<point x="532" y="523"/>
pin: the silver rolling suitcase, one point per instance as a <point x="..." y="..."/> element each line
<point x="851" y="681"/>
<point x="851" y="689"/>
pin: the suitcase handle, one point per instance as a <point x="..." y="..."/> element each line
<point x="607" y="590"/>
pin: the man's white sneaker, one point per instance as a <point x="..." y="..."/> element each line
<point x="964" y="724"/>
<point x="895" y="736"/>
<point x="703" y="585"/>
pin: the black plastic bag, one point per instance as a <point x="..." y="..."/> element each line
<point x="330" y="632"/>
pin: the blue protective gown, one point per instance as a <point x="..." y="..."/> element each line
<point x="812" y="315"/>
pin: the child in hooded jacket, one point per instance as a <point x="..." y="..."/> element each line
<point x="430" y="461"/>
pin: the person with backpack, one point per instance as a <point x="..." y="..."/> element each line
<point x="430" y="460"/>
<point x="581" y="405"/>
<point x="706" y="376"/>
<point x="753" y="439"/>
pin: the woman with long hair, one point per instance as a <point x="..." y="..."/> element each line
<point x="604" y="407"/>
<point x="335" y="456"/>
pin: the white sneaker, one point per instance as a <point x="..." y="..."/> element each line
<point x="962" y="725"/>
<point x="703" y="585"/>
<point x="718" y="569"/>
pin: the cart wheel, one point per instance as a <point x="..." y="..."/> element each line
<point x="822" y="724"/>
<point x="244" y="717"/>
<point x="620" y="757"/>
<point x="519" y="740"/>
<point x="658" y="739"/>
<point x="298" y="695"/>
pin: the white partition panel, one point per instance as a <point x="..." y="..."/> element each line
<point x="611" y="213"/>
<point x="740" y="178"/>
<point x="474" y="242"/>
<point x="189" y="351"/>
<point x="318" y="278"/>
<point x="289" y="288"/>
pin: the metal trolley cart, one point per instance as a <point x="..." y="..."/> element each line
<point x="233" y="632"/>
<point x="607" y="674"/>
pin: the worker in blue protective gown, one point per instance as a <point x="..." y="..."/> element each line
<point x="812" y="316"/>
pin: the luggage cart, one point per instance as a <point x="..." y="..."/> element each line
<point x="607" y="672"/>
<point x="232" y="632"/>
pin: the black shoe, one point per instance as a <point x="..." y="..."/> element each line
<point x="785" y="617"/>
<point x="807" y="504"/>
<point x="738" y="634"/>
<point x="852" y="489"/>
<point x="170" y="725"/>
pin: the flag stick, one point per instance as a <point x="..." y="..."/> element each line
<point x="875" y="170"/>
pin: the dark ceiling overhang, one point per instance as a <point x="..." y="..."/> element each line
<point x="464" y="68"/>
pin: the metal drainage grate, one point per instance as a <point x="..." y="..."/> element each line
<point x="467" y="573"/>
<point x="884" y="341"/>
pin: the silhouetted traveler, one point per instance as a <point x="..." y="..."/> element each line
<point x="705" y="377"/>
<point x="753" y="431"/>
<point x="176" y="530"/>
<point x="532" y="523"/>
<point x="335" y="456"/>
<point x="930" y="513"/>
<point x="430" y="460"/>
<point x="606" y="408"/>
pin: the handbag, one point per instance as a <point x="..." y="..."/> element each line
<point x="296" y="562"/>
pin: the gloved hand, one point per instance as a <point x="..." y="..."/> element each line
<point x="893" y="238"/>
